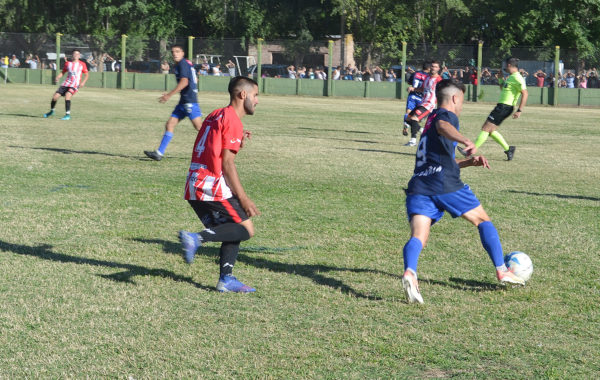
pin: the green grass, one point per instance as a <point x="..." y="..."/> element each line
<point x="93" y="284"/>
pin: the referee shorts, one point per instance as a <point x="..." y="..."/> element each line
<point x="500" y="113"/>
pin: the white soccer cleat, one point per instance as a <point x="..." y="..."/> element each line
<point x="411" y="287"/>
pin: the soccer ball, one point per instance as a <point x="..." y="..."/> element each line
<point x="520" y="264"/>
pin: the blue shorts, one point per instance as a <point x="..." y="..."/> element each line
<point x="191" y="110"/>
<point x="412" y="102"/>
<point x="433" y="206"/>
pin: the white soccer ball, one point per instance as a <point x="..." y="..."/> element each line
<point x="520" y="264"/>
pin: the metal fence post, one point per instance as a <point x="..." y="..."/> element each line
<point x="57" y="56"/>
<point x="479" y="59"/>
<point x="403" y="84"/>
<point x="191" y="48"/>
<point x="123" y="55"/>
<point x="556" y="72"/>
<point x="259" y="65"/>
<point x="329" y="78"/>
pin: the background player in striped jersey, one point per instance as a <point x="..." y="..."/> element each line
<point x="187" y="86"/>
<point x="415" y="92"/>
<point x="213" y="187"/>
<point x="427" y="105"/>
<point x="71" y="84"/>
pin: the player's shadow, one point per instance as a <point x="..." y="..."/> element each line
<point x="564" y="196"/>
<point x="379" y="151"/>
<point x="20" y="115"/>
<point x="72" y="151"/>
<point x="130" y="271"/>
<point x="464" y="284"/>
<point x="337" y="130"/>
<point x="315" y="272"/>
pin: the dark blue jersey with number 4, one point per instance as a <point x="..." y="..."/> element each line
<point x="436" y="171"/>
<point x="185" y="69"/>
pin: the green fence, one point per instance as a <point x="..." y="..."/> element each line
<point x="306" y="87"/>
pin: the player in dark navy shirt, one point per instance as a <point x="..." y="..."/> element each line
<point x="187" y="86"/>
<point x="415" y="92"/>
<point x="436" y="187"/>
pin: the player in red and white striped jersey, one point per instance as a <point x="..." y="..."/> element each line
<point x="71" y="84"/>
<point x="428" y="104"/>
<point x="213" y="187"/>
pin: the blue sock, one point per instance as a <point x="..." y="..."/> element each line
<point x="412" y="250"/>
<point x="165" y="141"/>
<point x="491" y="242"/>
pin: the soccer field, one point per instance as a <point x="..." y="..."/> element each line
<point x="93" y="283"/>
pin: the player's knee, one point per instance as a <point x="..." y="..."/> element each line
<point x="249" y="227"/>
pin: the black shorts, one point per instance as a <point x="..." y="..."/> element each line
<point x="420" y="112"/>
<point x="62" y="90"/>
<point x="500" y="113"/>
<point x="214" y="213"/>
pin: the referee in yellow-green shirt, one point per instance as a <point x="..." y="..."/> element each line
<point x="512" y="87"/>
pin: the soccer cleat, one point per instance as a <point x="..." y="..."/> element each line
<point x="49" y="113"/>
<point x="228" y="283"/>
<point x="190" y="244"/>
<point x="510" y="152"/>
<point x="405" y="129"/>
<point x="411" y="287"/>
<point x="153" y="154"/>
<point x="410" y="143"/>
<point x="508" y="277"/>
<point x="66" y="117"/>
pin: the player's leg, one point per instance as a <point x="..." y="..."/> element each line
<point x="55" y="98"/>
<point x="489" y="128"/>
<point x="170" y="125"/>
<point x="411" y="103"/>
<point x="68" y="96"/>
<point x="414" y="118"/>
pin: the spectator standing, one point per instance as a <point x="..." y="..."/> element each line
<point x="570" y="79"/>
<point x="540" y="77"/>
<point x="216" y="70"/>
<point x="390" y="75"/>
<point x="445" y="73"/>
<point x="14" y="61"/>
<point x="377" y="74"/>
<point x="291" y="72"/>
<point x="230" y="68"/>
<point x="582" y="83"/>
<point x="92" y="64"/>
<point x="33" y="62"/>
<point x="164" y="67"/>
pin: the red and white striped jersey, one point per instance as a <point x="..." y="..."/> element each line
<point x="74" y="70"/>
<point x="222" y="129"/>
<point x="429" y="98"/>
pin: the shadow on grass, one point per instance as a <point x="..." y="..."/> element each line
<point x="22" y="115"/>
<point x="555" y="195"/>
<point x="337" y="130"/>
<point x="311" y="271"/>
<point x="141" y="157"/>
<point x="463" y="284"/>
<point x="379" y="151"/>
<point x="45" y="252"/>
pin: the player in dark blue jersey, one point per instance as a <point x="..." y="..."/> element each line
<point x="187" y="86"/>
<point x="415" y="92"/>
<point x="436" y="187"/>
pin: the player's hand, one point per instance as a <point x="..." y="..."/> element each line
<point x="246" y="135"/>
<point x="164" y="98"/>
<point x="480" y="161"/>
<point x="249" y="207"/>
<point x="516" y="115"/>
<point x="469" y="148"/>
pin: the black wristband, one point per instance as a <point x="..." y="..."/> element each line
<point x="519" y="110"/>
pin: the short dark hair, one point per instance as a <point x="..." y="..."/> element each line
<point x="178" y="46"/>
<point x="514" y="62"/>
<point x="426" y="65"/>
<point x="74" y="50"/>
<point x="238" y="83"/>
<point x="442" y="90"/>
<point x="435" y="61"/>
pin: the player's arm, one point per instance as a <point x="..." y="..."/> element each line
<point x="233" y="181"/>
<point x="85" y="78"/>
<point x="448" y="131"/>
<point x="524" y="95"/>
<point x="183" y="82"/>
<point x="473" y="161"/>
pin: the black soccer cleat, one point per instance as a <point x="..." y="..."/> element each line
<point x="153" y="155"/>
<point x="510" y="152"/>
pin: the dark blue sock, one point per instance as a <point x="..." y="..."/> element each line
<point x="491" y="242"/>
<point x="412" y="250"/>
<point x="165" y="141"/>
